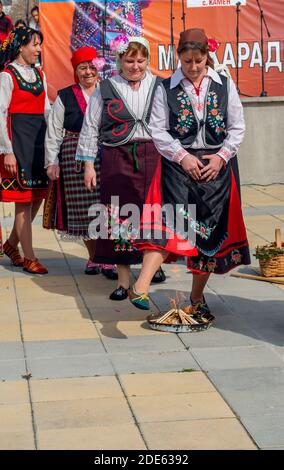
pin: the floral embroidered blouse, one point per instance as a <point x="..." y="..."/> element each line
<point x="6" y="90"/>
<point x="171" y="148"/>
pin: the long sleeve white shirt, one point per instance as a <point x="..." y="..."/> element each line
<point x="136" y="100"/>
<point x="171" y="148"/>
<point x="55" y="131"/>
<point x="6" y="90"/>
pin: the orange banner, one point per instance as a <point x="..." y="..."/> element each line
<point x="67" y="25"/>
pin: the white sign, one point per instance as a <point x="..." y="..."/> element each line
<point x="214" y="3"/>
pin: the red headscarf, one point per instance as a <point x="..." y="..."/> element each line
<point x="84" y="54"/>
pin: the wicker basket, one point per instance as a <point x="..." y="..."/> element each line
<point x="271" y="257"/>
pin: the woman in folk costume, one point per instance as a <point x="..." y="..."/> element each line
<point x="69" y="213"/>
<point x="197" y="125"/>
<point x="118" y="115"/>
<point x="23" y="106"/>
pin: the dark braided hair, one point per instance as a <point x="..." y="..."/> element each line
<point x="18" y="37"/>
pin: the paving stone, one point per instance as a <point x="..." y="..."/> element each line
<point x="126" y="329"/>
<point x="11" y="350"/>
<point x="251" y="391"/>
<point x="271" y="334"/>
<point x="67" y="348"/>
<point x="13" y="392"/>
<point x="225" y="332"/>
<point x="10" y="332"/>
<point x="16" y="441"/>
<point x="12" y="370"/>
<point x="203" y="434"/>
<point x="114" y="437"/>
<point x="47" y="317"/>
<point x="75" y="366"/>
<point x="59" y="331"/>
<point x="266" y="429"/>
<point x="179" y="407"/>
<point x="153" y="362"/>
<point x="236" y="357"/>
<point x="73" y="389"/>
<point x="17" y="417"/>
<point x="82" y="413"/>
<point x="171" y="383"/>
<point x="42" y="282"/>
<point x="162" y="343"/>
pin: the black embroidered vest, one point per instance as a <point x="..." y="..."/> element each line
<point x="118" y="123"/>
<point x="183" y="121"/>
<point x="73" y="116"/>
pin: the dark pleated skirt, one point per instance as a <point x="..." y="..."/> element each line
<point x="205" y="223"/>
<point x="126" y="172"/>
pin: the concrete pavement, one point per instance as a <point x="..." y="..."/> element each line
<point x="78" y="371"/>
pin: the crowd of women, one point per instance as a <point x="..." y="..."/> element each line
<point x="134" y="137"/>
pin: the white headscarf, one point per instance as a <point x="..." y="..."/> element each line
<point x="138" y="39"/>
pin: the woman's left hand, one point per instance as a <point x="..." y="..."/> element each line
<point x="211" y="170"/>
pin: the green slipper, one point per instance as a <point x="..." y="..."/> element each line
<point x="139" y="300"/>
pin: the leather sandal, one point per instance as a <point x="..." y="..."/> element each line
<point x="13" y="254"/>
<point x="34" y="266"/>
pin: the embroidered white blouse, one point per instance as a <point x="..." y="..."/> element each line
<point x="6" y="90"/>
<point x="55" y="130"/>
<point x="88" y="142"/>
<point x="171" y="148"/>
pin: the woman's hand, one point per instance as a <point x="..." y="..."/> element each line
<point x="53" y="172"/>
<point x="90" y="177"/>
<point x="193" y="166"/>
<point x="211" y="170"/>
<point x="10" y="164"/>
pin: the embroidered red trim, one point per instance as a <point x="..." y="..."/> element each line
<point x="120" y="107"/>
<point x="77" y="90"/>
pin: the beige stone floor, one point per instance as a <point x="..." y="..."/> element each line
<point x="155" y="411"/>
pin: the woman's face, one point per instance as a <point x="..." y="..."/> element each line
<point x="87" y="74"/>
<point x="31" y="51"/>
<point x="134" y="68"/>
<point x="193" y="64"/>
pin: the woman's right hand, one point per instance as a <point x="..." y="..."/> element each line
<point x="10" y="164"/>
<point x="90" y="177"/>
<point x="192" y="166"/>
<point x="53" y="172"/>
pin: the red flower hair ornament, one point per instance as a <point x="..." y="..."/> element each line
<point x="213" y="45"/>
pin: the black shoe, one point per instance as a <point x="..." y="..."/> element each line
<point x="92" y="270"/>
<point x="203" y="312"/>
<point x="110" y="274"/>
<point x="119" y="294"/>
<point x="159" y="276"/>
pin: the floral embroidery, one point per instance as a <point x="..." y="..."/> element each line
<point x="198" y="227"/>
<point x="185" y="115"/>
<point x="211" y="265"/>
<point x="35" y="87"/>
<point x="121" y="231"/>
<point x="236" y="257"/>
<point x="204" y="265"/>
<point x="215" y="117"/>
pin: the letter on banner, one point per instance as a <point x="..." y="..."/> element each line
<point x="165" y="58"/>
<point x="228" y="58"/>
<point x="255" y="55"/>
<point x="243" y="52"/>
<point x="277" y="63"/>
